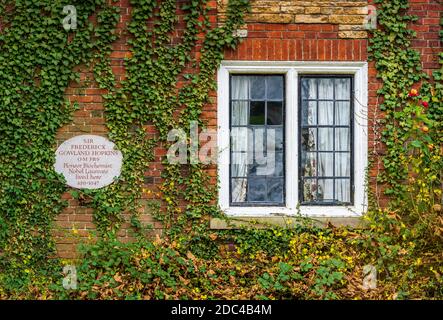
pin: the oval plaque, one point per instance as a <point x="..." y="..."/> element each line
<point x="88" y="161"/>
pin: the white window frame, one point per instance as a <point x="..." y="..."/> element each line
<point x="291" y="71"/>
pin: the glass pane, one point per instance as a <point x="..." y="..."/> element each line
<point x="342" y="164"/>
<point x="239" y="190"/>
<point x="343" y="190"/>
<point x="239" y="87"/>
<point x="326" y="139"/>
<point x="257" y="113"/>
<point x="326" y="89"/>
<point x="342" y="139"/>
<point x="308" y="89"/>
<point x="239" y="139"/>
<point x="342" y="115"/>
<point x="275" y="190"/>
<point x="253" y="169"/>
<point x="309" y="164"/>
<point x="275" y="139"/>
<point x="325" y="164"/>
<point x="325" y="112"/>
<point x="239" y="114"/>
<point x="239" y="164"/>
<point x="268" y="166"/>
<point x="257" y="87"/>
<point x="278" y="171"/>
<point x="309" y="113"/>
<point x="326" y="190"/>
<point x="275" y="113"/>
<point x="343" y="89"/>
<point x="259" y="146"/>
<point x="275" y="88"/>
<point x="309" y="190"/>
<point x="257" y="189"/>
<point x="309" y="139"/>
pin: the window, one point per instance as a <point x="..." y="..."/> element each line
<point x="257" y="113"/>
<point x="325" y="169"/>
<point x="292" y="137"/>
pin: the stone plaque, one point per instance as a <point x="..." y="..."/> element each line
<point x="88" y="162"/>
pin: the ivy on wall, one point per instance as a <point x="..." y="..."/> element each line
<point x="37" y="57"/>
<point x="412" y="107"/>
<point x="153" y="94"/>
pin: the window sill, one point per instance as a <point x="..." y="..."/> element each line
<point x="310" y="211"/>
<point x="261" y="222"/>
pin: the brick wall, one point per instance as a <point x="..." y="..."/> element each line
<point x="277" y="31"/>
<point x="294" y="41"/>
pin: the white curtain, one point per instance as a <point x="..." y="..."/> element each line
<point x="239" y="114"/>
<point x="240" y="88"/>
<point x="325" y="135"/>
<point x="342" y="190"/>
<point x="240" y="150"/>
<point x="342" y="139"/>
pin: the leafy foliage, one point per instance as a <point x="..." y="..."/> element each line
<point x="37" y="57"/>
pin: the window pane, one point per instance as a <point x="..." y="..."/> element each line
<point x="271" y="165"/>
<point x="342" y="139"/>
<point x="253" y="169"/>
<point x="342" y="113"/>
<point x="239" y="189"/>
<point x="275" y="139"/>
<point x="264" y="168"/>
<point x="309" y="89"/>
<point x="258" y="88"/>
<point x="275" y="190"/>
<point x="239" y="87"/>
<point x="309" y="164"/>
<point x="326" y="139"/>
<point x="239" y="114"/>
<point x="325" y="164"/>
<point x="343" y="190"/>
<point x="275" y="87"/>
<point x="239" y="164"/>
<point x="309" y="190"/>
<point x="343" y="89"/>
<point x="326" y="190"/>
<point x="239" y="139"/>
<point x="259" y="146"/>
<point x="275" y="113"/>
<point x="309" y="139"/>
<point x="257" y="189"/>
<point x="257" y="113"/>
<point x="309" y="112"/>
<point x="325" y="112"/>
<point x="326" y="89"/>
<point x="278" y="172"/>
<point x="342" y="164"/>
